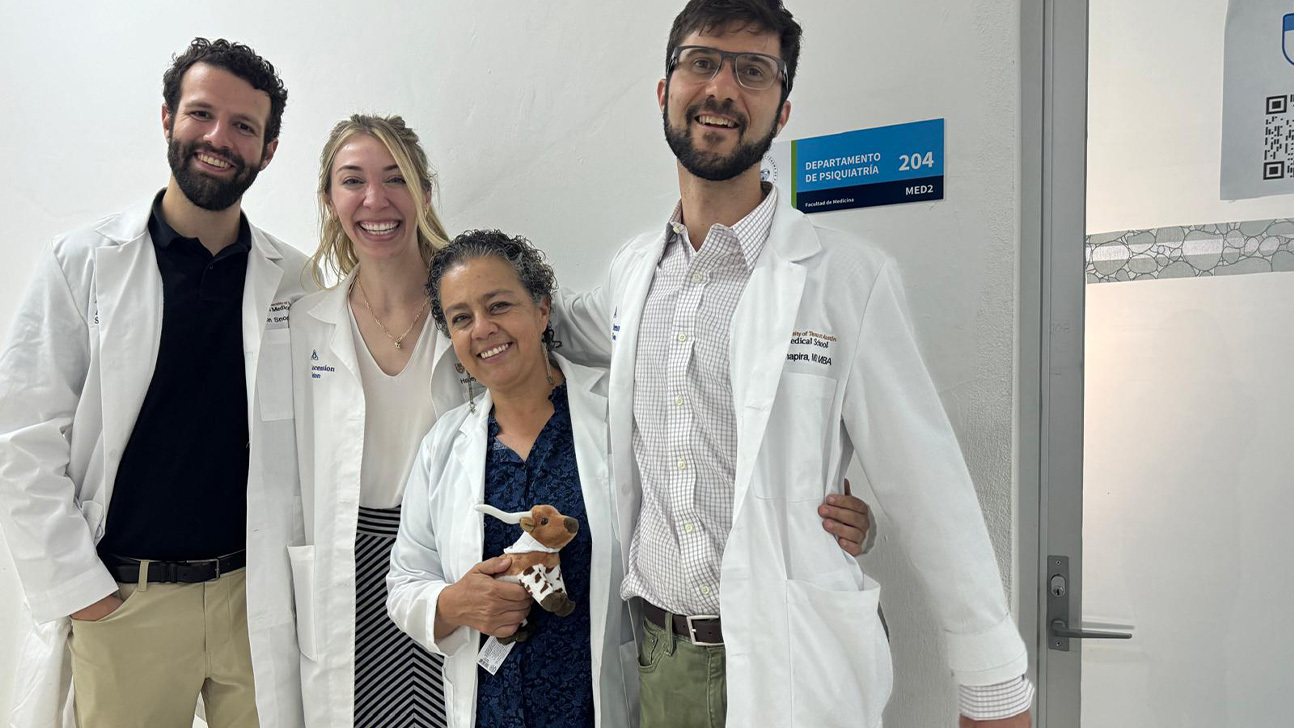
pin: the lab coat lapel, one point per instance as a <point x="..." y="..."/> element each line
<point x="628" y="318"/>
<point x="128" y="316"/>
<point x="588" y="425"/>
<point x="335" y="312"/>
<point x="469" y="450"/>
<point x="761" y="335"/>
<point x="263" y="276"/>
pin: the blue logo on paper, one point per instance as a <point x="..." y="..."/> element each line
<point x="314" y="355"/>
<point x="1287" y="38"/>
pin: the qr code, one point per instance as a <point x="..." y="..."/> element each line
<point x="1278" y="138"/>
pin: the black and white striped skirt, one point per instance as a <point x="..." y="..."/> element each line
<point x="397" y="681"/>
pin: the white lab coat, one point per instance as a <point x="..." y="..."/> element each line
<point x="73" y="376"/>
<point x="441" y="538"/>
<point x="329" y="399"/>
<point x="824" y="365"/>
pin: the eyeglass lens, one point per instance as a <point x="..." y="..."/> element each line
<point x="754" y="71"/>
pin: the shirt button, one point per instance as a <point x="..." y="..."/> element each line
<point x="682" y="464"/>
<point x="682" y="337"/>
<point x="697" y="277"/>
<point x="687" y="527"/>
<point x="705" y="590"/>
<point x="679" y="400"/>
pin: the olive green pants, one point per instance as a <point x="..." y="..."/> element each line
<point x="144" y="665"/>
<point x="681" y="684"/>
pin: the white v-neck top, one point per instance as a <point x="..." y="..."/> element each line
<point x="398" y="414"/>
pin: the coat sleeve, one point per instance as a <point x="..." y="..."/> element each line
<point x="417" y="577"/>
<point x="583" y="325"/>
<point x="43" y="369"/>
<point x="583" y="321"/>
<point x="910" y="454"/>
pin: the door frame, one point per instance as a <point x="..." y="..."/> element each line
<point x="1053" y="208"/>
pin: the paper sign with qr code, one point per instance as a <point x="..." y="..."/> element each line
<point x="1258" y="100"/>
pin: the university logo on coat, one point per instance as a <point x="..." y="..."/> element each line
<point x="1287" y="37"/>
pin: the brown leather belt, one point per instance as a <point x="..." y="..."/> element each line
<point x="703" y="630"/>
<point x="126" y="570"/>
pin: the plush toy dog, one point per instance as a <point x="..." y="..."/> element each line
<point x="536" y="564"/>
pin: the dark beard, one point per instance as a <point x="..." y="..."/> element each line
<point x="707" y="165"/>
<point x="206" y="192"/>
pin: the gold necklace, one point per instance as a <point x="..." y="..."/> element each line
<point x="426" y="303"/>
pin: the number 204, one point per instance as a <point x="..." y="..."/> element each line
<point x="915" y="161"/>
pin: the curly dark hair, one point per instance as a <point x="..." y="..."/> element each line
<point x="237" y="59"/>
<point x="527" y="261"/>
<point x="771" y="16"/>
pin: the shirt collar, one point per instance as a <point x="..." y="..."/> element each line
<point x="163" y="234"/>
<point x="751" y="230"/>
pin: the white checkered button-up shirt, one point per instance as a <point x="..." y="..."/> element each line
<point x="685" y="429"/>
<point x="685" y="425"/>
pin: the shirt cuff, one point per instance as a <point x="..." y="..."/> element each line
<point x="995" y="702"/>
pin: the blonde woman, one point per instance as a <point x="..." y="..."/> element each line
<point x="370" y="377"/>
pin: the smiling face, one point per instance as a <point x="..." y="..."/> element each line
<point x="494" y="325"/>
<point x="371" y="199"/>
<point x="215" y="136"/>
<point x="719" y="129"/>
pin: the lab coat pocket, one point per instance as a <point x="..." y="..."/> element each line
<point x="793" y="461"/>
<point x="303" y="578"/>
<point x="274" y="375"/>
<point x="840" y="658"/>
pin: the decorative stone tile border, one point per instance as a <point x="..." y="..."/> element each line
<point x="1229" y="248"/>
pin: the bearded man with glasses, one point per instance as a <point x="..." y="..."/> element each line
<point x="752" y="355"/>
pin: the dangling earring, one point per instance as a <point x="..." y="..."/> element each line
<point x="544" y="346"/>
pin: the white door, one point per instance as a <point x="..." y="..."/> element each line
<point x="1167" y="453"/>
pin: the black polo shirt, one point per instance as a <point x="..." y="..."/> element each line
<point x="181" y="489"/>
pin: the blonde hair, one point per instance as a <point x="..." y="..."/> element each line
<point x="336" y="253"/>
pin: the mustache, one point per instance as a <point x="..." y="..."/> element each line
<point x="727" y="108"/>
<point x="229" y="154"/>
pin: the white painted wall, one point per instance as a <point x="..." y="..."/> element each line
<point x="1154" y="128"/>
<point x="542" y="120"/>
<point x="1187" y="414"/>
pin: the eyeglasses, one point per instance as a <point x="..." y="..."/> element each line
<point x="755" y="71"/>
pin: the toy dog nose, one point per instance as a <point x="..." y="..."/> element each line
<point x="572" y="525"/>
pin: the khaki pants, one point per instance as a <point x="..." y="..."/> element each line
<point x="143" y="665"/>
<point x="681" y="685"/>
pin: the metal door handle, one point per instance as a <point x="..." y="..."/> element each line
<point x="1060" y="629"/>
<point x="1058" y="597"/>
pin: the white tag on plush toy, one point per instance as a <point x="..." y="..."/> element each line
<point x="493" y="654"/>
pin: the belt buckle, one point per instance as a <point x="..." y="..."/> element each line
<point x="217" y="564"/>
<point x="691" y="630"/>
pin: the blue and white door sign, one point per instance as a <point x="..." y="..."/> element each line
<point x="884" y="165"/>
